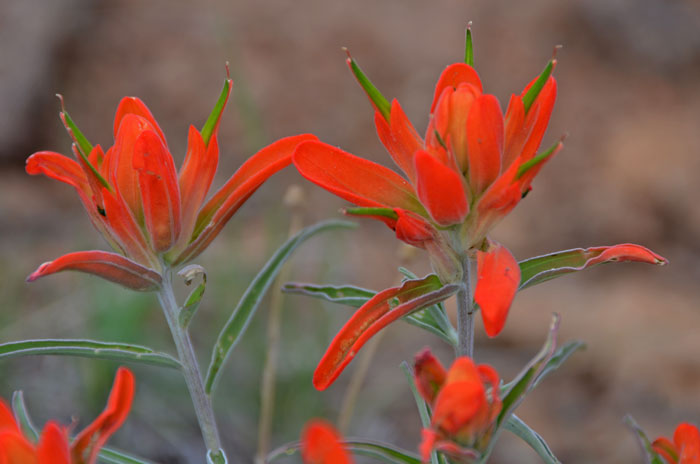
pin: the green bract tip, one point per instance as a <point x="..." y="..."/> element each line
<point x="380" y="103"/>
<point x="215" y="116"/>
<point x="469" y="47"/>
<point x="536" y="88"/>
<point x="365" y="211"/>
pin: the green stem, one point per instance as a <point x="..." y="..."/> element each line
<point x="465" y="313"/>
<point x="190" y="369"/>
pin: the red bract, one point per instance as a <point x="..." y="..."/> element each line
<point x="54" y="446"/>
<point x="153" y="216"/>
<point x="321" y="444"/>
<point x="464" y="403"/>
<point x="470" y="170"/>
<point x="685" y="447"/>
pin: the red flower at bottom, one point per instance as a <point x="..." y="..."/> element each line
<point x="685" y="448"/>
<point x="321" y="444"/>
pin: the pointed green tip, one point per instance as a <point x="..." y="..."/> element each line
<point x="525" y="167"/>
<point x="531" y="95"/>
<point x="469" y="47"/>
<point x="378" y="100"/>
<point x="213" y="120"/>
<point x="365" y="211"/>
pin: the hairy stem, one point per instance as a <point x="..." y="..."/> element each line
<point x="190" y="369"/>
<point x="465" y="313"/>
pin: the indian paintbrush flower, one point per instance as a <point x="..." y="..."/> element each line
<point x="151" y="215"/>
<point x="321" y="444"/>
<point x="54" y="447"/>
<point x="685" y="447"/>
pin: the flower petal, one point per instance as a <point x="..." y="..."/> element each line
<point x="441" y="190"/>
<point x="321" y="444"/>
<point x="160" y="193"/>
<point x="53" y="445"/>
<point x="454" y="75"/>
<point x="484" y="142"/>
<point x="133" y="105"/>
<point x="429" y="375"/>
<point x="413" y="229"/>
<point x="109" y="266"/>
<point x="542" y="106"/>
<point x="14" y="448"/>
<point x="687" y="439"/>
<point x="7" y="419"/>
<point x="381" y="310"/>
<point x="88" y="442"/>
<point x="498" y="277"/>
<point x="244" y="182"/>
<point x="354" y="179"/>
<point x="124" y="228"/>
<point x="400" y="138"/>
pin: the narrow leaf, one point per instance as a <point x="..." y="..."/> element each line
<point x="543" y="268"/>
<point x="515" y="425"/>
<point x="122" y="352"/>
<point x="249" y="302"/>
<point x="19" y="408"/>
<point x="213" y="120"/>
<point x="378" y="100"/>
<point x="381" y="451"/>
<point x="560" y="356"/>
<point x="650" y="456"/>
<point x="534" y="90"/>
<point x="367" y="211"/>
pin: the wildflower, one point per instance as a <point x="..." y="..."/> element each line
<point x="464" y="402"/>
<point x="151" y="215"/>
<point x="685" y="447"/>
<point x="54" y="446"/>
<point x="321" y="444"/>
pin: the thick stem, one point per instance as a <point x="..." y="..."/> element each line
<point x="465" y="313"/>
<point x="190" y="368"/>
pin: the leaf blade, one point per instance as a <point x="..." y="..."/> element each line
<point x="519" y="428"/>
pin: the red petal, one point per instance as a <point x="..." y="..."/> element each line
<point x="196" y="176"/>
<point x="159" y="190"/>
<point x="53" y="445"/>
<point x="429" y="375"/>
<point x="441" y="190"/>
<point x="485" y="142"/>
<point x="667" y="450"/>
<point x="15" y="449"/>
<point x="59" y="167"/>
<point x="498" y="277"/>
<point x="687" y="439"/>
<point x="321" y="444"/>
<point x="133" y="105"/>
<point x="516" y="130"/>
<point x="457" y="404"/>
<point x="244" y="182"/>
<point x="399" y="137"/>
<point x="543" y="107"/>
<point x="125" y="229"/>
<point x="377" y="313"/>
<point x="88" y="442"/>
<point x="110" y="266"/>
<point x="454" y="75"/>
<point x="413" y="229"/>
<point x="7" y="419"/>
<point x="354" y="179"/>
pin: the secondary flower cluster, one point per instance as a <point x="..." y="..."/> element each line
<point x="685" y="447"/>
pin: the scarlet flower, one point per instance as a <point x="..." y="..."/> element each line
<point x="685" y="447"/>
<point x="464" y="401"/>
<point x="153" y="216"/>
<point x="321" y="444"/>
<point x="54" y="446"/>
<point x="470" y="170"/>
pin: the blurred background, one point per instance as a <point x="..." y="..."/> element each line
<point x="629" y="100"/>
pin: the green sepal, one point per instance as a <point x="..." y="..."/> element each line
<point x="536" y="160"/>
<point x="367" y="211"/>
<point x="378" y="100"/>
<point x="532" y="93"/>
<point x="469" y="47"/>
<point x="215" y="116"/>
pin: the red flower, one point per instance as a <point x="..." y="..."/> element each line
<point x="471" y="169"/>
<point x="321" y="444"/>
<point x="464" y="402"/>
<point x="685" y="448"/>
<point x="54" y="446"/>
<point x="153" y="216"/>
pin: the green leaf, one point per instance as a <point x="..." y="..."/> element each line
<point x="122" y="352"/>
<point x="188" y="310"/>
<point x="469" y="47"/>
<point x="215" y="115"/>
<point x="113" y="456"/>
<point x="560" y="356"/>
<point x="433" y="319"/>
<point x="650" y="456"/>
<point x="380" y="103"/>
<point x="375" y="449"/>
<point x="367" y="211"/>
<point x="515" y="425"/>
<point x="253" y="295"/>
<point x="535" y="89"/>
<point x="540" y="269"/>
<point x="19" y="408"/>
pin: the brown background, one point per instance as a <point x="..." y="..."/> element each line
<point x="629" y="100"/>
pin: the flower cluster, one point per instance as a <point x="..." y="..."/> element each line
<point x="685" y="447"/>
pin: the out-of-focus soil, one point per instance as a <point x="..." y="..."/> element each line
<point x="628" y="100"/>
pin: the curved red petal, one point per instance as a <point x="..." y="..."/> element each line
<point x="429" y="375"/>
<point x="498" y="276"/>
<point x="14" y="448"/>
<point x="133" y="105"/>
<point x="399" y="137"/>
<point x="485" y="142"/>
<point x="441" y="190"/>
<point x="160" y="193"/>
<point x="321" y="444"/>
<point x="687" y="440"/>
<point x="543" y="107"/>
<point x="454" y="75"/>
<point x="7" y="419"/>
<point x="124" y="228"/>
<point x="413" y="229"/>
<point x="109" y="266"/>
<point x="89" y="441"/>
<point x="53" y="447"/>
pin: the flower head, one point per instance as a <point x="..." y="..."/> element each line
<point x="321" y="444"/>
<point x="151" y="214"/>
<point x="464" y="401"/>
<point x="685" y="447"/>
<point x="54" y="446"/>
